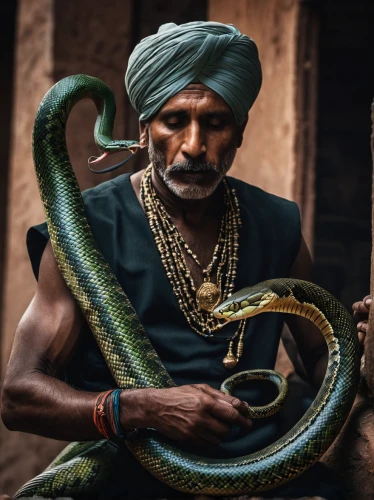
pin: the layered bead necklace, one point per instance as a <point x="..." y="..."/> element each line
<point x="197" y="305"/>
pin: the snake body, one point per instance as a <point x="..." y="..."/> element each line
<point x="83" y="468"/>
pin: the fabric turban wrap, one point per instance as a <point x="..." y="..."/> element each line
<point x="214" y="54"/>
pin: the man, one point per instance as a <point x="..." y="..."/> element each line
<point x="180" y="237"/>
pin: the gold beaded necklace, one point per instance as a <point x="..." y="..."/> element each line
<point x="197" y="305"/>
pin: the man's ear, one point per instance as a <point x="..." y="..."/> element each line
<point x="143" y="133"/>
<point x="241" y="129"/>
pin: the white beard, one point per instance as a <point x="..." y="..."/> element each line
<point x="190" y="191"/>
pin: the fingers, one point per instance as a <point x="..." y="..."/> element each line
<point x="209" y="431"/>
<point x="225" y="411"/>
<point x="219" y="428"/>
<point x="367" y="300"/>
<point x="361" y="338"/>
<point x="197" y="414"/>
<point x="361" y="314"/>
<point x="361" y="308"/>
<point x="240" y="406"/>
<point x="362" y="328"/>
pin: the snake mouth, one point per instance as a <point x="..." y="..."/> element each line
<point x="241" y="306"/>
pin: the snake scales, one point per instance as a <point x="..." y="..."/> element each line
<point x="83" y="468"/>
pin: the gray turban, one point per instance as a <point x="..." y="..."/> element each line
<point x="215" y="54"/>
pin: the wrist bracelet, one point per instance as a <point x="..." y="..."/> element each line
<point x="106" y="414"/>
<point x="116" y="425"/>
<point x="100" y="413"/>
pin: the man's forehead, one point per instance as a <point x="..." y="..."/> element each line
<point x="196" y="89"/>
<point x="196" y="86"/>
<point x="192" y="92"/>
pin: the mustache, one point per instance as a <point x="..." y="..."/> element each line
<point x="193" y="166"/>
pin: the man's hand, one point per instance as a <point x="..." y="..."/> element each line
<point x="361" y="314"/>
<point x="194" y="413"/>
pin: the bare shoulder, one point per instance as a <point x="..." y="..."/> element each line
<point x="49" y="329"/>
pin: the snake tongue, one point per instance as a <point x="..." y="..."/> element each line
<point x="97" y="159"/>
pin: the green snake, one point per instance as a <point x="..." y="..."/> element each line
<point x="83" y="468"/>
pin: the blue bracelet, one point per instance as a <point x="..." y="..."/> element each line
<point x="120" y="433"/>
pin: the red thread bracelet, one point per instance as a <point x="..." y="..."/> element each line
<point x="99" y="414"/>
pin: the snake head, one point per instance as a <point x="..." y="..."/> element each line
<point x="246" y="303"/>
<point x="116" y="146"/>
<point x="110" y="148"/>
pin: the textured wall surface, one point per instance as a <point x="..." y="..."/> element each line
<point x="54" y="39"/>
<point x="267" y="157"/>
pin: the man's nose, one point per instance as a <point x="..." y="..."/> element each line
<point x="194" y="142"/>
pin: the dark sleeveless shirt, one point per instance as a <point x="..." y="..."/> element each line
<point x="269" y="241"/>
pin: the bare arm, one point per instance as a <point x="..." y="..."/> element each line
<point x="310" y="342"/>
<point x="35" y="401"/>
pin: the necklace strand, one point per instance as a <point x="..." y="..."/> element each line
<point x="171" y="246"/>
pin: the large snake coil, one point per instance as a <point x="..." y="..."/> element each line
<point x="82" y="468"/>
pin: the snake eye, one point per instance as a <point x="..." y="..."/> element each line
<point x="234" y="307"/>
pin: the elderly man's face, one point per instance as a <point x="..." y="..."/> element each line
<point x="192" y="141"/>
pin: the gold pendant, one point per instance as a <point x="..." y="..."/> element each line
<point x="230" y="361"/>
<point x="208" y="296"/>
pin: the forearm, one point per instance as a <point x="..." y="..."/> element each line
<point x="197" y="414"/>
<point x="46" y="406"/>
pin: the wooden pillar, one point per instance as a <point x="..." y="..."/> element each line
<point x="54" y="39"/>
<point x="274" y="141"/>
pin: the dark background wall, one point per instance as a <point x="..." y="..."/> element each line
<point x="344" y="165"/>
